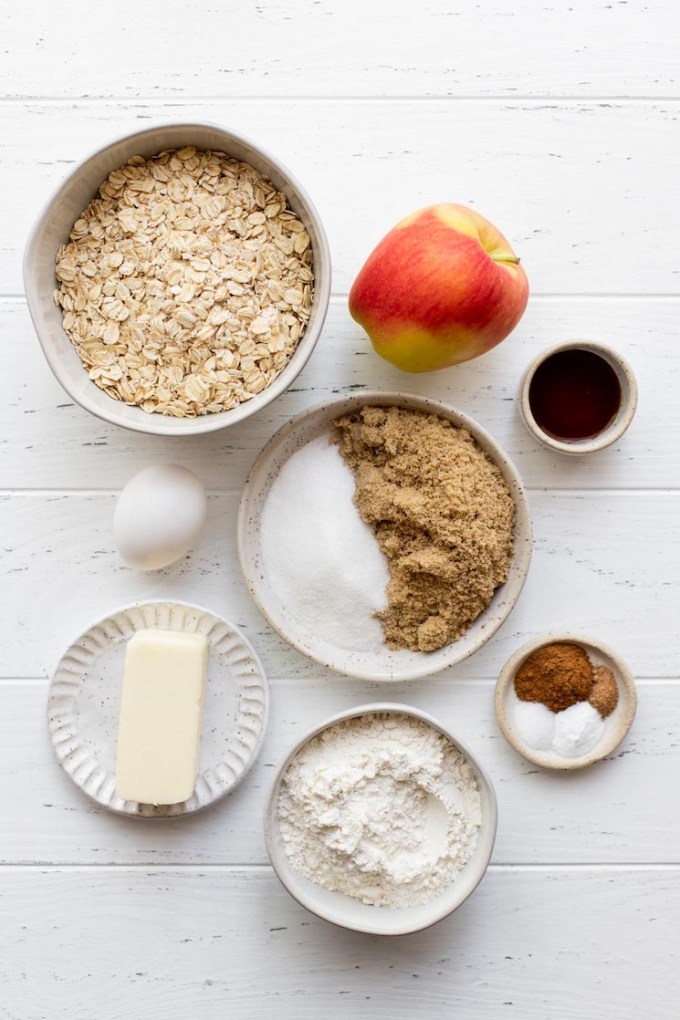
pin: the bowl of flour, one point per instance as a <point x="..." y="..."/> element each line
<point x="328" y="581"/>
<point x="380" y="820"/>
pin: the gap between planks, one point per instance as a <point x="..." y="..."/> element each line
<point x="581" y="493"/>
<point x="188" y="99"/>
<point x="35" y="681"/>
<point x="152" y="869"/>
<point x="341" y="296"/>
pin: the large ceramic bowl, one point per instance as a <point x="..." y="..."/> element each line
<point x="54" y="225"/>
<point x="351" y="913"/>
<point x="382" y="664"/>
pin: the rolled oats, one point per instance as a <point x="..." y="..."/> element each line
<point x="186" y="283"/>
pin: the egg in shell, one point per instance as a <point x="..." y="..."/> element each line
<point x="159" y="516"/>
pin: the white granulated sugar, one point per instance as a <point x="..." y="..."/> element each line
<point x="318" y="555"/>
<point x="578" y="729"/>
<point x="382" y="808"/>
<point x="535" y="724"/>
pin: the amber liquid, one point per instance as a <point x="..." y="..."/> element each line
<point x="574" y="394"/>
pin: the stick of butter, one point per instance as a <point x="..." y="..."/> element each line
<point x="159" y="728"/>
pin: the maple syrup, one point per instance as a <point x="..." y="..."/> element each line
<point x="574" y="394"/>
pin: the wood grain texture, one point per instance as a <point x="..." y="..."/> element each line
<point x="213" y="944"/>
<point x="46" y="441"/>
<point x="615" y="812"/>
<point x="312" y="47"/>
<point x="561" y="179"/>
<point x="605" y="563"/>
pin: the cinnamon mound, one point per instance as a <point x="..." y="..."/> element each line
<point x="558" y="675"/>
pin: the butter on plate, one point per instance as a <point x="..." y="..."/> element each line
<point x="159" y="729"/>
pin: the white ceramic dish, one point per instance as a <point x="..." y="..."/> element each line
<point x="382" y="665"/>
<point x="54" y="225"/>
<point x="350" y="913"/>
<point x="614" y="431"/>
<point x="616" y="725"/>
<point x="84" y="699"/>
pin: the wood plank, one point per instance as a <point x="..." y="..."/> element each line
<point x="306" y="47"/>
<point x="48" y="442"/>
<point x="562" y="945"/>
<point x="605" y="563"/>
<point x="582" y="188"/>
<point x="615" y="812"/>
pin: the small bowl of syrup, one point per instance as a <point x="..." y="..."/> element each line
<point x="578" y="397"/>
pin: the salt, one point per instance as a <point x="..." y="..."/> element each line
<point x="535" y="724"/>
<point x="318" y="555"/>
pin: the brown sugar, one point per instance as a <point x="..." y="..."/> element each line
<point x="558" y="675"/>
<point x="605" y="693"/>
<point x="442" y="514"/>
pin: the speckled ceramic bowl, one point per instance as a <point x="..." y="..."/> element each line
<point x="616" y="428"/>
<point x="348" y="912"/>
<point x="616" y="725"/>
<point x="54" y="225"/>
<point x="382" y="664"/>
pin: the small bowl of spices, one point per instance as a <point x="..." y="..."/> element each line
<point x="578" y="397"/>
<point x="565" y="701"/>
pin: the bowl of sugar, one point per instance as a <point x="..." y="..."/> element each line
<point x="360" y="529"/>
<point x="379" y="820"/>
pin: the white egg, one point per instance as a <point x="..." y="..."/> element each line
<point x="159" y="516"/>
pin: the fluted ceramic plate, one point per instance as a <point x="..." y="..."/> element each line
<point x="84" y="702"/>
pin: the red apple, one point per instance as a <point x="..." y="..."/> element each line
<point x="442" y="287"/>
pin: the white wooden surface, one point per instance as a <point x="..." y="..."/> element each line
<point x="560" y="123"/>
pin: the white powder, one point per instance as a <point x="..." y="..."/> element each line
<point x="570" y="734"/>
<point x="578" y="729"/>
<point x="535" y="724"/>
<point x="318" y="555"/>
<point x="382" y="808"/>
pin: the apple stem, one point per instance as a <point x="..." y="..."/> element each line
<point x="506" y="258"/>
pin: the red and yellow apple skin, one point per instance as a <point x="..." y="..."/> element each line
<point x="444" y="286"/>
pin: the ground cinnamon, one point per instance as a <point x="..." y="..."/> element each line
<point x="558" y="675"/>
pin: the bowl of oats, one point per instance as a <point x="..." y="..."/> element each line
<point x="178" y="280"/>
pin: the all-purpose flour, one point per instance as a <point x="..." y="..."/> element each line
<point x="382" y="808"/>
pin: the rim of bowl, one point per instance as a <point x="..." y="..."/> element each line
<point x="276" y="851"/>
<point x="626" y="682"/>
<point x="521" y="553"/>
<point x="202" y="423"/>
<point x="623" y="418"/>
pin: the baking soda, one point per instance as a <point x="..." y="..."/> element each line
<point x="578" y="729"/>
